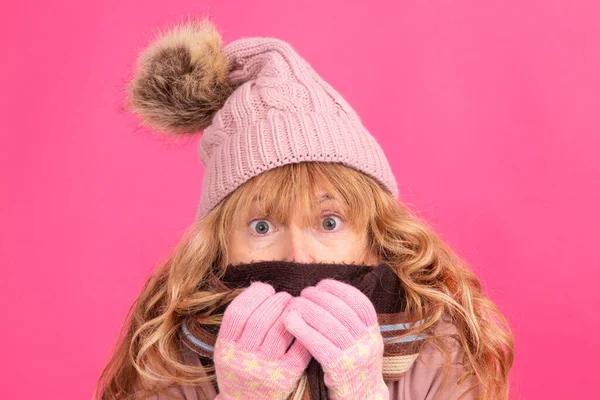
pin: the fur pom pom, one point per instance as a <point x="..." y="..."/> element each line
<point x="181" y="79"/>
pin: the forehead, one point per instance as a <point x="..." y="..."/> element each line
<point x="303" y="191"/>
<point x="303" y="209"/>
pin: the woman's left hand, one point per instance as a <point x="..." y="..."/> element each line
<point x="338" y="325"/>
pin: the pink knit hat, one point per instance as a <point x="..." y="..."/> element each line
<point x="259" y="105"/>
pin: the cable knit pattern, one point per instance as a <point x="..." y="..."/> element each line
<point x="281" y="112"/>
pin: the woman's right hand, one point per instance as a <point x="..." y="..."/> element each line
<point x="251" y="358"/>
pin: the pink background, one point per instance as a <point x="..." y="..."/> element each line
<point x="488" y="111"/>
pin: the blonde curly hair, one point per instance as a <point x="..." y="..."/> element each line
<point x="437" y="281"/>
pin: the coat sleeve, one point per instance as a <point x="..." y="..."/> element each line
<point x="205" y="391"/>
<point x="425" y="380"/>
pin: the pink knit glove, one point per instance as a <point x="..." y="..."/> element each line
<point x="252" y="360"/>
<point x="337" y="323"/>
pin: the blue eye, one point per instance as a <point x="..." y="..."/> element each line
<point x="331" y="222"/>
<point x="260" y="226"/>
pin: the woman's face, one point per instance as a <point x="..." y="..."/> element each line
<point x="331" y="239"/>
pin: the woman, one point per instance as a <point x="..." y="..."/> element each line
<point x="304" y="276"/>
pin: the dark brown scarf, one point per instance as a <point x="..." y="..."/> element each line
<point x="380" y="284"/>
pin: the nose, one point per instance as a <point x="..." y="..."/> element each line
<point x="299" y="248"/>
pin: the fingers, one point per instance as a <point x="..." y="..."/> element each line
<point x="322" y="349"/>
<point x="323" y="321"/>
<point x="240" y="309"/>
<point x="336" y="307"/>
<point x="297" y="356"/>
<point x="353" y="297"/>
<point x="262" y="320"/>
<point x="277" y="341"/>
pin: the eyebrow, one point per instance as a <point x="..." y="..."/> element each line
<point x="325" y="197"/>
